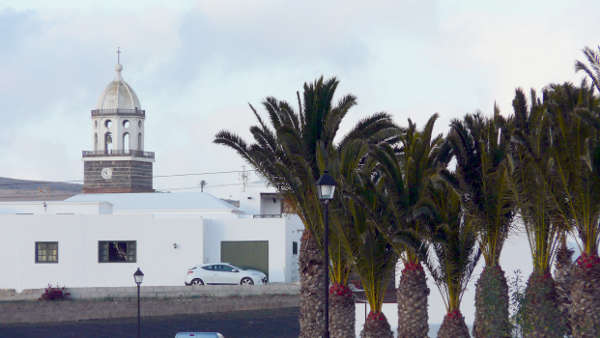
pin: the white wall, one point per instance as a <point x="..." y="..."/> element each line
<point x="78" y="237"/>
<point x="295" y="228"/>
<point x="279" y="232"/>
<point x="198" y="236"/>
<point x="270" y="205"/>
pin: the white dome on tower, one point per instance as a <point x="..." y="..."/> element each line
<point x="118" y="94"/>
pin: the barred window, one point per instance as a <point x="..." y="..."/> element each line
<point x="46" y="252"/>
<point x="117" y="251"/>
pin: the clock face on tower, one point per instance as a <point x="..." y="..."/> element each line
<point x="106" y="173"/>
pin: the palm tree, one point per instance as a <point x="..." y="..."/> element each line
<point x="406" y="172"/>
<point x="574" y="113"/>
<point x="593" y="69"/>
<point x="343" y="160"/>
<point x="480" y="147"/>
<point x="535" y="190"/>
<point x="455" y="251"/>
<point x="285" y="153"/>
<point x="563" y="265"/>
<point x="372" y="257"/>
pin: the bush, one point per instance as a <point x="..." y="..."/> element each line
<point x="54" y="293"/>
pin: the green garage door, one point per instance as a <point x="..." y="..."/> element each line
<point x="246" y="254"/>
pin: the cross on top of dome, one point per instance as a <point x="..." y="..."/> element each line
<point x="118" y="94"/>
<point x="118" y="66"/>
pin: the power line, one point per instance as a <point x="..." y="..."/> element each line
<point x="205" y="173"/>
<point x="198" y="187"/>
<point x="63" y="192"/>
<point x="74" y="181"/>
<point x="28" y="193"/>
<point x="208" y="186"/>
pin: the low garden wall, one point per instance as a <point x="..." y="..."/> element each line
<point x="121" y="302"/>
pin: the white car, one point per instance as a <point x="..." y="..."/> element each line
<point x="199" y="335"/>
<point x="223" y="273"/>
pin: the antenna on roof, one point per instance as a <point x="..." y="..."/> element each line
<point x="244" y="177"/>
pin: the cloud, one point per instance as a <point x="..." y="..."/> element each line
<point x="196" y="64"/>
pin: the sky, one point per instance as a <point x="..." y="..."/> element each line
<point x="195" y="66"/>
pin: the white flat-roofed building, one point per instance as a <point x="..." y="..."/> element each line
<point x="94" y="240"/>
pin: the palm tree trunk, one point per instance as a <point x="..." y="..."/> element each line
<point x="491" y="304"/>
<point x="585" y="297"/>
<point x="453" y="326"/>
<point x="376" y="326"/>
<point x="311" y="287"/>
<point x="562" y="277"/>
<point x="342" y="310"/>
<point x="412" y="295"/>
<point x="542" y="316"/>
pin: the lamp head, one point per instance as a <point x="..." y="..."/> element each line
<point x="326" y="185"/>
<point x="138" y="276"/>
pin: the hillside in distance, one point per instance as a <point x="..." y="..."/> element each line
<point x="26" y="190"/>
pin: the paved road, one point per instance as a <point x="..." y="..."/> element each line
<point x="245" y="324"/>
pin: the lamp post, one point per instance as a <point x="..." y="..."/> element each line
<point x="326" y="185"/>
<point x="138" y="277"/>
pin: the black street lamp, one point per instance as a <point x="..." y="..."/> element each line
<point x="138" y="277"/>
<point x="326" y="185"/>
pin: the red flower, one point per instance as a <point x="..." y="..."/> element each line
<point x="454" y="314"/>
<point x="375" y="316"/>
<point x="587" y="261"/>
<point x="412" y="267"/>
<point x="340" y="290"/>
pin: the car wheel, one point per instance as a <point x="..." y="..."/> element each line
<point x="197" y="281"/>
<point x="247" y="281"/>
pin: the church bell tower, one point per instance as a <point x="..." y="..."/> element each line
<point x="118" y="163"/>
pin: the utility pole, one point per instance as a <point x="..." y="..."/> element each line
<point x="244" y="177"/>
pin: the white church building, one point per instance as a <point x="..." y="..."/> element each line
<point x="119" y="223"/>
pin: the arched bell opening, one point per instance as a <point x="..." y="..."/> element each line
<point x="126" y="146"/>
<point x="108" y="143"/>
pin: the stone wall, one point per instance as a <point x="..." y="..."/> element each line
<point x="101" y="303"/>
<point x="127" y="176"/>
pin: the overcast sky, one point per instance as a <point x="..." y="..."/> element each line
<point x="195" y="66"/>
